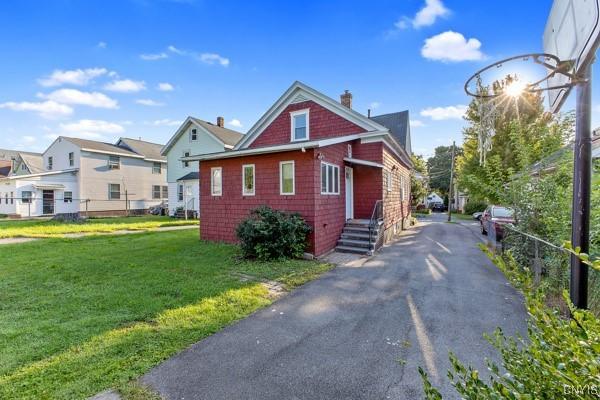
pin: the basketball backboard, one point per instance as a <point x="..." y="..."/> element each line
<point x="572" y="34"/>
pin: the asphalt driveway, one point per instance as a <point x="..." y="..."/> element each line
<point x="359" y="332"/>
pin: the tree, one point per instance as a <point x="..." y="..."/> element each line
<point x="438" y="168"/>
<point x="418" y="186"/>
<point x="524" y="134"/>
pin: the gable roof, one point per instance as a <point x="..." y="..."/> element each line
<point x="6" y="154"/>
<point x="101" y="147"/>
<point x="399" y="125"/>
<point x="227" y="137"/>
<point x="301" y="92"/>
<point x="150" y="151"/>
<point x="33" y="161"/>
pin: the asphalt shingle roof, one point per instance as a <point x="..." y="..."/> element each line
<point x="100" y="146"/>
<point x="227" y="136"/>
<point x="398" y="124"/>
<point x="190" y="176"/>
<point x="147" y="149"/>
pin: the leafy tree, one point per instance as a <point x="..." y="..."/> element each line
<point x="418" y="187"/>
<point x="524" y="134"/>
<point x="438" y="168"/>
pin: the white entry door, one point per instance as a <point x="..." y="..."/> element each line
<point x="349" y="193"/>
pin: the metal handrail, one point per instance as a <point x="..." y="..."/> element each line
<point x="376" y="216"/>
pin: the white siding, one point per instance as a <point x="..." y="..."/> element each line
<point x="59" y="151"/>
<point x="69" y="182"/>
<point x="6" y="188"/>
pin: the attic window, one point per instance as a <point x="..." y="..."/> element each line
<point x="300" y="125"/>
<point x="193" y="135"/>
<point x="114" y="162"/>
<point x="50" y="163"/>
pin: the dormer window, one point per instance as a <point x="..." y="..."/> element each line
<point x="299" y="125"/>
<point x="193" y="135"/>
<point x="50" y="163"/>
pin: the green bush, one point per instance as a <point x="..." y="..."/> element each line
<point x="424" y="211"/>
<point x="269" y="234"/>
<point x="560" y="359"/>
<point x="475" y="206"/>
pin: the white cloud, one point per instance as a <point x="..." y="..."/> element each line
<point x="91" y="128"/>
<point x="125" y="86"/>
<point x="213" y="58"/>
<point x="415" y="123"/>
<point x="235" y="123"/>
<point x="452" y="47"/>
<point x="443" y="113"/>
<point x="426" y="16"/>
<point x="374" y="105"/>
<point x="149" y="102"/>
<point x="101" y="45"/>
<point x="175" y="50"/>
<point x="78" y="77"/>
<point x="46" y="109"/>
<point x="154" y="57"/>
<point x="165" y="122"/>
<point x="28" y="139"/>
<point x="165" y="87"/>
<point x="74" y="96"/>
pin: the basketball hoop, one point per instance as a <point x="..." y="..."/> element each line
<point x="533" y="69"/>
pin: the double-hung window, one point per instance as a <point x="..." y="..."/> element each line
<point x="330" y="178"/>
<point x="180" y="192"/>
<point x="165" y="192"/>
<point x="26" y="197"/>
<point x="12" y="198"/>
<point x="216" y="181"/>
<point x="50" y="162"/>
<point x="194" y="135"/>
<point x="287" y="183"/>
<point x="186" y="163"/>
<point x="68" y="197"/>
<point x="387" y="175"/>
<point x="114" y="162"/>
<point x="71" y="159"/>
<point x="248" y="180"/>
<point x="156" y="168"/>
<point x="114" y="191"/>
<point x="156" y="191"/>
<point x="300" y="125"/>
<point x="402" y="188"/>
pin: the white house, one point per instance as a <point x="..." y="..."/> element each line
<point x="87" y="177"/>
<point x="194" y="136"/>
<point x="433" y="198"/>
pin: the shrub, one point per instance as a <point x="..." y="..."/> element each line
<point x="475" y="206"/>
<point x="269" y="234"/>
<point x="559" y="359"/>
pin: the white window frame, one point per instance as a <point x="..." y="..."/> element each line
<point x="154" y="169"/>
<point x="193" y="132"/>
<point x="69" y="198"/>
<point x="110" y="191"/>
<point x="164" y="192"/>
<point x="388" y="181"/>
<point x="26" y="199"/>
<point x="244" y="192"/>
<point x="114" y="162"/>
<point x="71" y="159"/>
<point x="293" y="130"/>
<point x="154" y="192"/>
<point x="186" y="153"/>
<point x="335" y="184"/>
<point x="349" y="151"/>
<point x="180" y="192"/>
<point x="281" y="164"/>
<point x="212" y="178"/>
<point x="50" y="162"/>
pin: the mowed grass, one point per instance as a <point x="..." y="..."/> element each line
<point x="78" y="316"/>
<point x="49" y="228"/>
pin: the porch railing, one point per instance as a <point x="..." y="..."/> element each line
<point x="376" y="217"/>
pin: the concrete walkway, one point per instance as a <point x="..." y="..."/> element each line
<point x="359" y="332"/>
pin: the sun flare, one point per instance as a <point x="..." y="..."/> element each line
<point x="515" y="88"/>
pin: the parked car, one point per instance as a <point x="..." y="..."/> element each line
<point x="160" y="209"/>
<point x="494" y="218"/>
<point x="437" y="206"/>
<point x="477" y="215"/>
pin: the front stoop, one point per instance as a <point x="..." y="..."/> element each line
<point x="355" y="237"/>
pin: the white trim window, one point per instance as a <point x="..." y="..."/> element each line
<point x="114" y="191"/>
<point x="300" y="125"/>
<point x="68" y="197"/>
<point x="26" y="196"/>
<point x="186" y="163"/>
<point x="165" y="192"/>
<point x="156" y="192"/>
<point x="287" y="179"/>
<point x="180" y="192"/>
<point x="156" y="168"/>
<point x="71" y="159"/>
<point x="216" y="181"/>
<point x="50" y="162"/>
<point x="193" y="135"/>
<point x="388" y="180"/>
<point x="114" y="162"/>
<point x="330" y="178"/>
<point x="248" y="180"/>
<point x="402" y="188"/>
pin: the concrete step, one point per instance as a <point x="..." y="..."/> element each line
<point x="358" y="229"/>
<point x="354" y="243"/>
<point x="357" y="235"/>
<point x="351" y="249"/>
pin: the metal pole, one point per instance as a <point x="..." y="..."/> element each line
<point x="450" y="187"/>
<point x="582" y="171"/>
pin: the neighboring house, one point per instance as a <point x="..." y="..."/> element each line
<point x="194" y="136"/>
<point x="313" y="155"/>
<point x="79" y="176"/>
<point x="433" y="198"/>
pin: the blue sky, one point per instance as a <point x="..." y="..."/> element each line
<point x="104" y="69"/>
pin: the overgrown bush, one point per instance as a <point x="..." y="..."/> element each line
<point x="475" y="206"/>
<point x="560" y="359"/>
<point x="269" y="234"/>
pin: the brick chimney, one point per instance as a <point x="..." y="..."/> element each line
<point x="346" y="99"/>
<point x="220" y="121"/>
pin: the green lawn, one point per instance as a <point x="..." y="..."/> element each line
<point x="49" y="228"/>
<point x="78" y="316"/>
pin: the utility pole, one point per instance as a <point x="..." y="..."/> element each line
<point x="450" y="186"/>
<point x="582" y="171"/>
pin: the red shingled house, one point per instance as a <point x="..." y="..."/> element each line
<point x="346" y="173"/>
